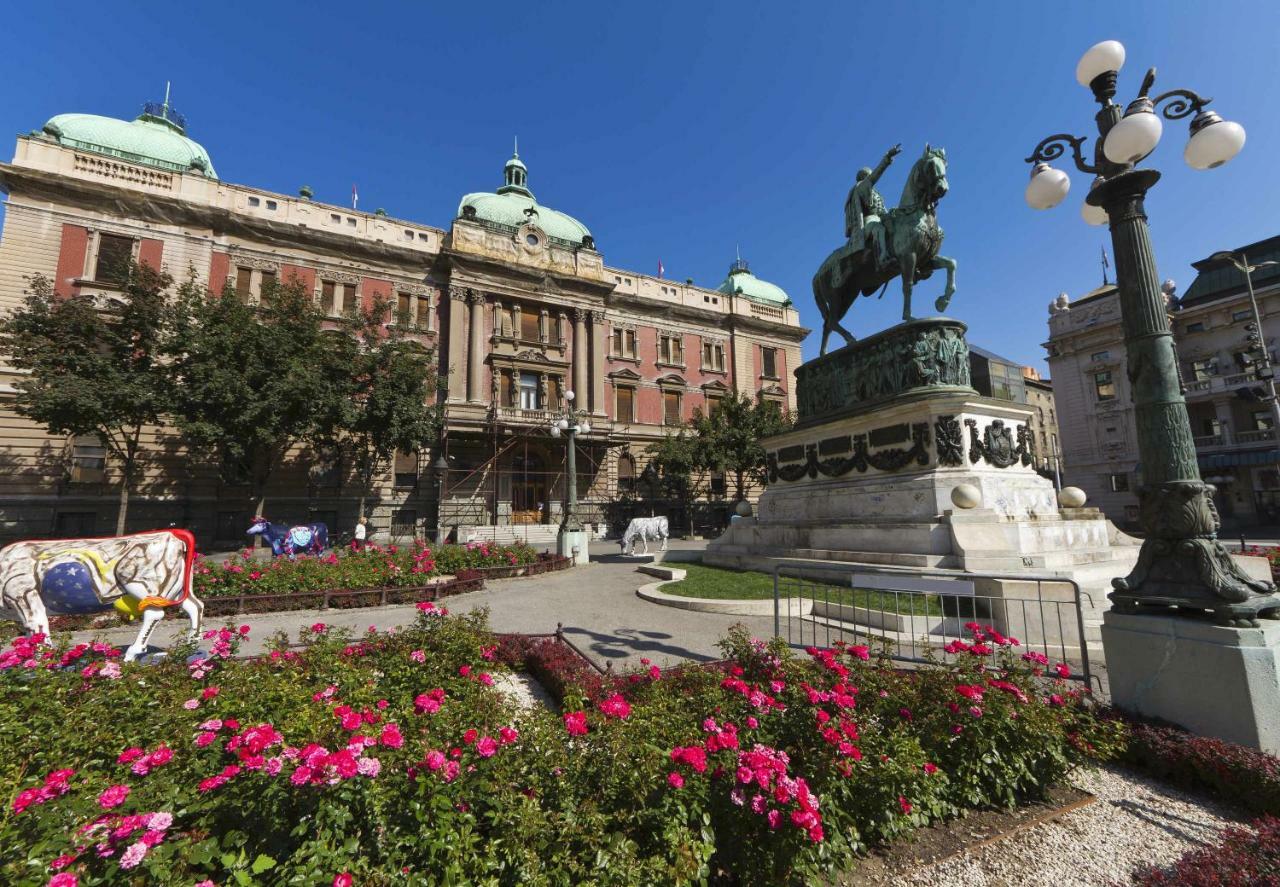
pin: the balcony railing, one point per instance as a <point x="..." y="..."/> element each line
<point x="1260" y="436"/>
<point x="1209" y="440"/>
<point x="526" y="417"/>
<point x="1220" y="384"/>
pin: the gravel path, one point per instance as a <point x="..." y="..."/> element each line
<point x="1135" y="821"/>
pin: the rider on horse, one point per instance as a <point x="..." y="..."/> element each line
<point x="864" y="209"/>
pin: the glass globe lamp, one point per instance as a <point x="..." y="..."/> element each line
<point x="1048" y="187"/>
<point x="1093" y="215"/>
<point x="1213" y="142"/>
<point x="1101" y="58"/>
<point x="1136" y="135"/>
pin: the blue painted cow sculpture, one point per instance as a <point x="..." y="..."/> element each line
<point x="291" y="541"/>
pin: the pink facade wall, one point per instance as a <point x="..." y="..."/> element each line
<point x="304" y="277"/>
<point x="75" y="243"/>
<point x="219" y="268"/>
<point x="151" y="252"/>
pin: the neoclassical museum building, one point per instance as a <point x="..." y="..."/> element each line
<point x="515" y="297"/>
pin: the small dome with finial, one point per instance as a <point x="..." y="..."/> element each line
<point x="513" y="205"/>
<point x="742" y="282"/>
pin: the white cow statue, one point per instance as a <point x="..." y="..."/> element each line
<point x="142" y="574"/>
<point x="644" y="529"/>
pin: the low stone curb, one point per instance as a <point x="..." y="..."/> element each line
<point x="653" y="595"/>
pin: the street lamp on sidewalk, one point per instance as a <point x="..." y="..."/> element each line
<point x="1263" y="371"/>
<point x="1181" y="562"/>
<point x="571" y="541"/>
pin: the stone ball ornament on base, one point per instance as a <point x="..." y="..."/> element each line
<point x="1072" y="497"/>
<point x="742" y="509"/>
<point x="966" y="496"/>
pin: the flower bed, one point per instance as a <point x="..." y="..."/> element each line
<point x="368" y="760"/>
<point x="1244" y="857"/>
<point x="1245" y="776"/>
<point x="371" y="567"/>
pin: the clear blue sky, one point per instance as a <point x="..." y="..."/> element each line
<point x="676" y="131"/>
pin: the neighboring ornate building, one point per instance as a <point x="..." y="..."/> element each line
<point x="1235" y="433"/>
<point x="515" y="296"/>
<point x="1005" y="379"/>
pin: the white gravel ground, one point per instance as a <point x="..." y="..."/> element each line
<point x="1135" y="821"/>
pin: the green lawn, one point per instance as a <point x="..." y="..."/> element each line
<point x="723" y="584"/>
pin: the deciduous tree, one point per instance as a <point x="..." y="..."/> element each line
<point x="95" y="367"/>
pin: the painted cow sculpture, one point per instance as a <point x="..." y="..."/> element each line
<point x="643" y="529"/>
<point x="142" y="574"/>
<point x="291" y="541"/>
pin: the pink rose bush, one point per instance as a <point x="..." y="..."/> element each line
<point x="353" y="760"/>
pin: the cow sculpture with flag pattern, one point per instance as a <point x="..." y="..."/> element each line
<point x="141" y="575"/>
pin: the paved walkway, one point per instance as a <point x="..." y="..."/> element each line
<point x="596" y="604"/>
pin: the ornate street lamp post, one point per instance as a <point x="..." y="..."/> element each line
<point x="571" y="541"/>
<point x="1181" y="562"/>
<point x="1263" y="371"/>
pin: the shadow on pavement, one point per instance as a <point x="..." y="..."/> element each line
<point x="629" y="641"/>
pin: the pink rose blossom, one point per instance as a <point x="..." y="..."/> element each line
<point x="191" y="704"/>
<point x="64" y="879"/>
<point x="342" y="879"/>
<point x="575" y="722"/>
<point x="675" y="780"/>
<point x="134" y="855"/>
<point x="113" y="797"/>
<point x="160" y="821"/>
<point x="418" y="656"/>
<point x="486" y="747"/>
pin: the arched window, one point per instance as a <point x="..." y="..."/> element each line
<point x="626" y="473"/>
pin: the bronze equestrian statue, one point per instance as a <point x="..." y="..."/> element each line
<point x="884" y="244"/>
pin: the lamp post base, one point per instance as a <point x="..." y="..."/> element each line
<point x="572" y="543"/>
<point x="1182" y="564"/>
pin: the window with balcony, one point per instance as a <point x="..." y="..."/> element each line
<point x="1263" y="420"/>
<point x="1119" y="483"/>
<point x="114" y="255"/>
<point x="88" y="459"/>
<point x="529" y="385"/>
<point x="625" y="409"/>
<point x="1210" y="427"/>
<point x="1103" y="386"/>
<point x="671" y="350"/>
<point x="769" y="363"/>
<point x="1202" y="370"/>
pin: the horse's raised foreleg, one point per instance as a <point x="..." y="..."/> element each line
<point x="950" y="264"/>
<point x="908" y="262"/>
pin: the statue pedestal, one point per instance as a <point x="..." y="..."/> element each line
<point x="888" y="428"/>
<point x="1212" y="680"/>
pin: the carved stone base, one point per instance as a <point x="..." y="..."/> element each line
<point x="1182" y="564"/>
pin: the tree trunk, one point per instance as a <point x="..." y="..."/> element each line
<point x="260" y="497"/>
<point x="122" y="513"/>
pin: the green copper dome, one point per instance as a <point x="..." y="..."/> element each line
<point x="743" y="283"/>
<point x="513" y="205"/>
<point x="157" y="138"/>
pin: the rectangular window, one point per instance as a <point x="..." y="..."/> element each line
<point x="1197" y="327"/>
<point x="530" y="326"/>
<point x="1210" y="427"/>
<point x="671" y="350"/>
<point x="351" y="223"/>
<point x="271" y="205"/>
<point x="506" y="396"/>
<point x="713" y="356"/>
<point x="671" y="407"/>
<point x="1119" y="483"/>
<point x="348" y="297"/>
<point x="1202" y="369"/>
<point x="266" y="286"/>
<point x="404" y="524"/>
<point x="326" y="471"/>
<point x="406" y="469"/>
<point x="769" y="362"/>
<point x="1103" y="387"/>
<point x="629" y="343"/>
<point x="713" y="404"/>
<point x="88" y="459"/>
<point x="615" y="342"/>
<point x="626" y="409"/>
<point x="424" y="312"/>
<point x="1244" y="314"/>
<point x="335" y="219"/>
<point x="554" y="387"/>
<point x="244" y="281"/>
<point x="327" y="303"/>
<point x="1100" y="355"/>
<point x="403" y="317"/>
<point x="114" y="255"/>
<point x="253" y="201"/>
<point x="718" y="483"/>
<point x="529" y="385"/>
<point x="1263" y="420"/>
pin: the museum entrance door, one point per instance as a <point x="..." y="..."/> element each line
<point x="528" y="489"/>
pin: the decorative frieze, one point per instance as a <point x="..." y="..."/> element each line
<point x="911" y="358"/>
<point x="800" y="460"/>
<point x="950" y="441"/>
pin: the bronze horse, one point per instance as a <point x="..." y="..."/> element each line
<point x="913" y="235"/>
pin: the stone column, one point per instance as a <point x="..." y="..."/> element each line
<point x="597" y="362"/>
<point x="475" y="346"/>
<point x="457" y="344"/>
<point x="580" y="349"/>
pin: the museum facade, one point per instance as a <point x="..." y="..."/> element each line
<point x="515" y="298"/>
